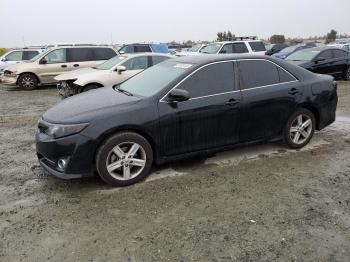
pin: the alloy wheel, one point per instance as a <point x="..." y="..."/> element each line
<point x="28" y="82"/>
<point x="126" y="161"/>
<point x="300" y="129"/>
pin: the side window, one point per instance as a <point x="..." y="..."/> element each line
<point x="27" y="55"/>
<point x="136" y="63"/>
<point x="14" y="56"/>
<point x="346" y="47"/>
<point x="158" y="59"/>
<point x="257" y="46"/>
<point x="326" y="54"/>
<point x="127" y="49"/>
<point x="226" y="49"/>
<point x="103" y="53"/>
<point x="239" y="48"/>
<point x="339" y="53"/>
<point x="56" y="56"/>
<point x="210" y="80"/>
<point x="256" y="73"/>
<point x="81" y="54"/>
<point x="285" y="76"/>
<point x="142" y="48"/>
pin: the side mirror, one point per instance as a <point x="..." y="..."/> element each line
<point x="3" y="59"/>
<point x="223" y="52"/>
<point x="121" y="52"/>
<point x="120" y="69"/>
<point x="178" y="95"/>
<point x="43" y="61"/>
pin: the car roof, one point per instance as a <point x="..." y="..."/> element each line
<point x="236" y="41"/>
<point x="128" y="55"/>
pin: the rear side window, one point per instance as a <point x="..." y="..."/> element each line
<point x="142" y="48"/>
<point x="285" y="76"/>
<point x="27" y="55"/>
<point x="339" y="53"/>
<point x="239" y="48"/>
<point x="103" y="53"/>
<point x="210" y="80"/>
<point x="81" y="54"/>
<point x="256" y="73"/>
<point x="257" y="46"/>
<point x="14" y="56"/>
<point x="158" y="59"/>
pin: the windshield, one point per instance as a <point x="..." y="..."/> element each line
<point x="154" y="79"/>
<point x="303" y="55"/>
<point x="109" y="64"/>
<point x="211" y="49"/>
<point x="289" y="49"/>
<point x="194" y="48"/>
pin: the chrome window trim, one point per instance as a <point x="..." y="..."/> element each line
<point x="233" y="91"/>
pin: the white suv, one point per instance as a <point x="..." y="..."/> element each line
<point x="245" y="45"/>
<point x="18" y="55"/>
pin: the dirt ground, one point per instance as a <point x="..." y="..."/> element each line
<point x="259" y="203"/>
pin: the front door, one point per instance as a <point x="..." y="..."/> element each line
<point x="208" y="119"/>
<point x="53" y="64"/>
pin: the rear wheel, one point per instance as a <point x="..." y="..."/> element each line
<point x="124" y="159"/>
<point x="347" y="73"/>
<point x="299" y="129"/>
<point x="28" y="81"/>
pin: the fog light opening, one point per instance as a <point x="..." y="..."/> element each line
<point x="61" y="163"/>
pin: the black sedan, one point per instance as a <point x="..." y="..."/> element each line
<point x="180" y="108"/>
<point x="275" y="48"/>
<point x="328" y="60"/>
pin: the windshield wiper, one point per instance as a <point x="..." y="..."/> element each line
<point x="124" y="91"/>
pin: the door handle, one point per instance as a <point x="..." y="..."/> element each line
<point x="76" y="65"/>
<point x="293" y="91"/>
<point x="63" y="65"/>
<point x="232" y="102"/>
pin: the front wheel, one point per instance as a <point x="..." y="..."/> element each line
<point x="347" y="73"/>
<point x="124" y="159"/>
<point x="299" y="129"/>
<point x="27" y="81"/>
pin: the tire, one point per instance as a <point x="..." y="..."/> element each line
<point x="346" y="75"/>
<point x="115" y="152"/>
<point x="89" y="87"/>
<point x="28" y="81"/>
<point x="297" y="133"/>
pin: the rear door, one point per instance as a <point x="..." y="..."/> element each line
<point x="269" y="96"/>
<point x="209" y="119"/>
<point x="81" y="57"/>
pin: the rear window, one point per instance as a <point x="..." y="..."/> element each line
<point x="103" y="53"/>
<point x="257" y="46"/>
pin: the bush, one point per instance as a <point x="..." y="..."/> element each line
<point x="2" y="51"/>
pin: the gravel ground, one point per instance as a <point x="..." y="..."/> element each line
<point x="258" y="203"/>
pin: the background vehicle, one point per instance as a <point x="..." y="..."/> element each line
<point x="284" y="53"/>
<point x="142" y="48"/>
<point x="345" y="46"/>
<point x="194" y="50"/>
<point x="109" y="73"/>
<point x="18" y="55"/>
<point x="275" y="48"/>
<point x="43" y="68"/>
<point x="251" y="46"/>
<point x="327" y="60"/>
<point x="180" y="108"/>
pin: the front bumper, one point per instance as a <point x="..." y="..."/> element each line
<point x="10" y="81"/>
<point x="77" y="150"/>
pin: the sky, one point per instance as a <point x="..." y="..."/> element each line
<point x="31" y="22"/>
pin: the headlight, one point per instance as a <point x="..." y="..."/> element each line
<point x="58" y="131"/>
<point x="9" y="73"/>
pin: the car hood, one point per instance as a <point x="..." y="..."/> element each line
<point x="75" y="74"/>
<point x="89" y="105"/>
